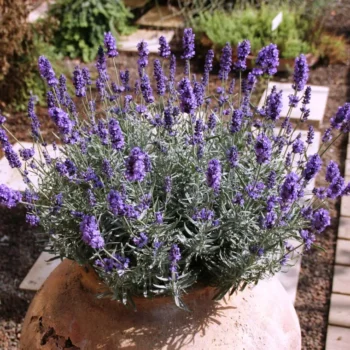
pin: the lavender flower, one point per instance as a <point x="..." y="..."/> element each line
<point x="174" y="257"/>
<point x="255" y="190"/>
<point x="203" y="215"/>
<point x="62" y="120"/>
<point x="146" y="89"/>
<point x="320" y="220"/>
<point x="336" y="188"/>
<point x="310" y="135"/>
<point x="308" y="238"/>
<point x="124" y="78"/>
<point x="214" y="174"/>
<point x="188" y="44"/>
<point x="107" y="168"/>
<point x="212" y="120"/>
<point x="143" y="51"/>
<point x="341" y="115"/>
<point x="164" y="48"/>
<point x="290" y="188"/>
<point x="271" y="180"/>
<point x="91" y="234"/>
<point x="160" y="78"/>
<point x="101" y="66"/>
<point x="263" y="149"/>
<point x="236" y="121"/>
<point x="137" y="164"/>
<point x="141" y="240"/>
<point x="274" y="105"/>
<point x="301" y="73"/>
<point x="267" y="60"/>
<point x="46" y="71"/>
<point x="312" y="167"/>
<point x="327" y="136"/>
<point x="35" y="124"/>
<point x="293" y="101"/>
<point x="91" y="198"/>
<point x="115" y="134"/>
<point x="26" y="153"/>
<point x="270" y="220"/>
<point x="167" y="184"/>
<point x="243" y="50"/>
<point x="158" y="217"/>
<point x="9" y="197"/>
<point x="232" y="156"/>
<point x="198" y="90"/>
<point x="332" y="171"/>
<point x="86" y="76"/>
<point x="238" y="199"/>
<point x="225" y="62"/>
<point x="102" y="132"/>
<point x="12" y="156"/>
<point x="172" y="69"/>
<point x="298" y="146"/>
<point x="32" y="220"/>
<point x="110" y="45"/>
<point x="208" y="66"/>
<point x="2" y="119"/>
<point x="79" y="82"/>
<point x="187" y="97"/>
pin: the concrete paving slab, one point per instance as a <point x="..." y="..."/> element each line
<point x="317" y="104"/>
<point x="162" y="17"/>
<point x="342" y="255"/>
<point x="344" y="228"/>
<point x="339" y="313"/>
<point x="338" y="338"/>
<point x="341" y="279"/>
<point x="39" y="272"/>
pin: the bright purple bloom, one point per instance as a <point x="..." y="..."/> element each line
<point x="46" y="71"/>
<point x="236" y="121"/>
<point x="308" y="238"/>
<point x="336" y="188"/>
<point x="270" y="220"/>
<point x="141" y="240"/>
<point x="232" y="156"/>
<point x="243" y="50"/>
<point x="301" y="73"/>
<point x="271" y="180"/>
<point x="142" y="48"/>
<point x="198" y="90"/>
<point x="110" y="45"/>
<point x="50" y="99"/>
<point x="208" y="66"/>
<point x="212" y="120"/>
<point x="290" y="188"/>
<point x="327" y="136"/>
<point x="293" y="101"/>
<point x="9" y="197"/>
<point x="124" y="78"/>
<point x="249" y="83"/>
<point x="159" y="77"/>
<point x="267" y="60"/>
<point x="102" y="132"/>
<point x="320" y="220"/>
<point x="263" y="149"/>
<point x="271" y="202"/>
<point x="137" y="164"/>
<point x="312" y="167"/>
<point x="12" y="156"/>
<point x="203" y="215"/>
<point x="174" y="257"/>
<point x="159" y="217"/>
<point x="91" y="234"/>
<point x="225" y="62"/>
<point x="101" y="66"/>
<point x="62" y="120"/>
<point x="164" y="48"/>
<point x="91" y="198"/>
<point x="320" y="193"/>
<point x="79" y="82"/>
<point x="214" y="174"/>
<point x="188" y="44"/>
<point x="116" y="134"/>
<point x="2" y="119"/>
<point x="342" y="114"/>
<point x="107" y="168"/>
<point x="332" y="171"/>
<point x="298" y="146"/>
<point x="274" y="105"/>
<point x="32" y="220"/>
<point x="26" y="153"/>
<point x="146" y="89"/>
<point x="255" y="190"/>
<point x="86" y="76"/>
<point x="238" y="199"/>
<point x="310" y="135"/>
<point x="35" y="125"/>
<point x="187" y="97"/>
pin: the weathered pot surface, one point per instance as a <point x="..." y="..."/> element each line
<point x="65" y="314"/>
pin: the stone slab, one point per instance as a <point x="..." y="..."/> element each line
<point x="12" y="177"/>
<point x="39" y="272"/>
<point x="129" y="43"/>
<point x="338" y="338"/>
<point x="348" y="151"/>
<point x="339" y="313"/>
<point x="342" y="255"/>
<point x="344" y="228"/>
<point x="347" y="167"/>
<point x="162" y="17"/>
<point x="341" y="279"/>
<point x="39" y="12"/>
<point x="317" y="105"/>
<point x="345" y="206"/>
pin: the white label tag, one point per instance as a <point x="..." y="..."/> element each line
<point x="277" y="21"/>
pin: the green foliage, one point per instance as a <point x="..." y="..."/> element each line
<point x="255" y="25"/>
<point x="82" y="24"/>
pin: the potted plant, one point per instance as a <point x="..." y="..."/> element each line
<point x="169" y="199"/>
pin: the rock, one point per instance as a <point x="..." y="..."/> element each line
<point x="65" y="313"/>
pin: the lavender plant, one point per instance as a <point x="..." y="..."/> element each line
<point x="160" y="190"/>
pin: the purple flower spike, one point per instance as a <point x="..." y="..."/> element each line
<point x="320" y="220"/>
<point x="243" y="50"/>
<point x="263" y="149"/>
<point x="141" y="240"/>
<point x="274" y="105"/>
<point x="208" y="66"/>
<point x="312" y="167"/>
<point x="301" y="73"/>
<point x="101" y="65"/>
<point x="137" y="165"/>
<point x="298" y="146"/>
<point x="164" y="48"/>
<point x="290" y="188"/>
<point x="336" y="188"/>
<point x="9" y="197"/>
<point x="160" y="78"/>
<point x="188" y="44"/>
<point x="232" y="156"/>
<point x="110" y="45"/>
<point x="214" y="174"/>
<point x="79" y="82"/>
<point x="225" y="62"/>
<point x="332" y="171"/>
<point x="62" y="120"/>
<point x="46" y="71"/>
<point x="12" y="156"/>
<point x="146" y="89"/>
<point x="308" y="238"/>
<point x="187" y="96"/>
<point x="174" y="258"/>
<point x="236" y="121"/>
<point x="116" y="134"/>
<point x="142" y="48"/>
<point x="91" y="234"/>
<point x="267" y="60"/>
<point x="26" y="153"/>
<point x="32" y="220"/>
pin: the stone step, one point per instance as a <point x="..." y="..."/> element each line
<point x="341" y="280"/>
<point x="317" y="105"/>
<point x="339" y="314"/>
<point x="344" y="227"/>
<point x="162" y="17"/>
<point x="342" y="255"/>
<point x="129" y="43"/>
<point x="338" y="338"/>
<point x="39" y="272"/>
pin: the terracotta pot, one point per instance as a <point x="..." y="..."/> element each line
<point x="65" y="314"/>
